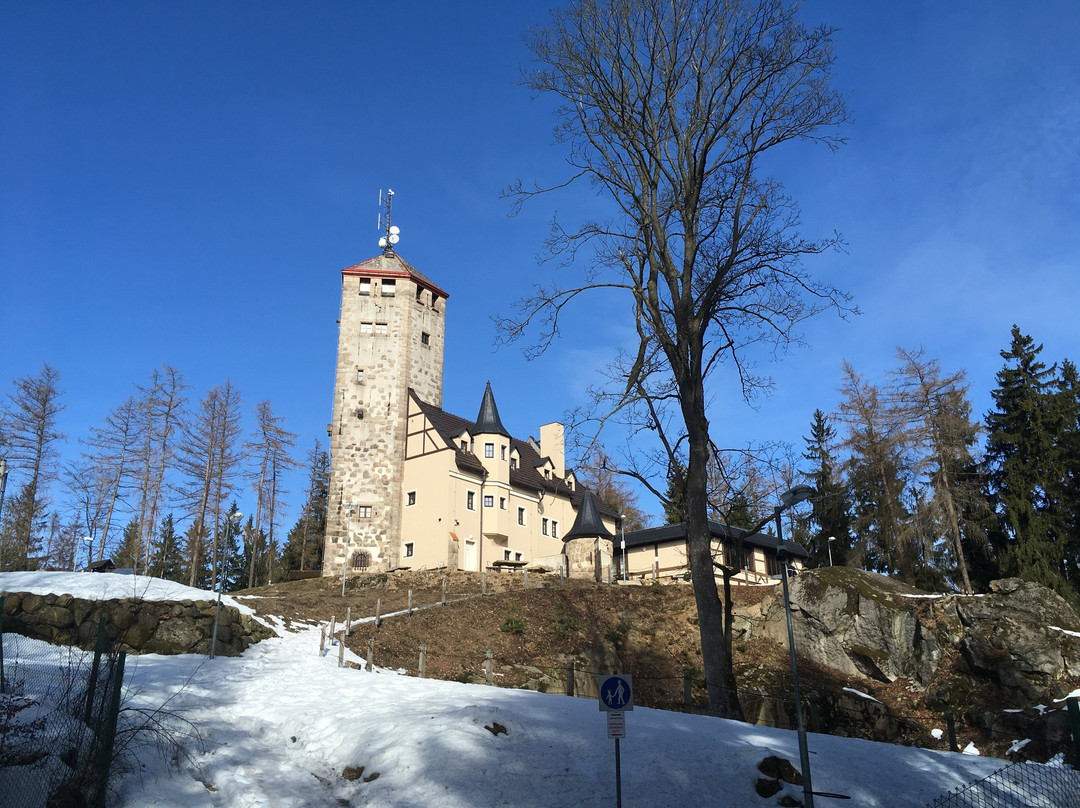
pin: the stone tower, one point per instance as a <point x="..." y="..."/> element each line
<point x="390" y="339"/>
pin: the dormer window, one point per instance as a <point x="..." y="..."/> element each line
<point x="513" y="464"/>
<point x="547" y="474"/>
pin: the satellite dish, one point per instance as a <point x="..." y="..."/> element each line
<point x="394" y="238"/>
<point x="382" y="242"/>
<point x="394" y="230"/>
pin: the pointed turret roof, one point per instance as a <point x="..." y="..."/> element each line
<point x="393" y="265"/>
<point x="488" y="421"/>
<point x="588" y="523"/>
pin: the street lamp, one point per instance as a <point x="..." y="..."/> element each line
<point x="350" y="508"/>
<point x="831" y="540"/>
<point x="3" y="482"/>
<point x="789" y="498"/>
<point x="89" y="549"/>
<point x="236" y="518"/>
<point x="622" y="542"/>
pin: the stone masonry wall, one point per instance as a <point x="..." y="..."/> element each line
<point x="135" y="626"/>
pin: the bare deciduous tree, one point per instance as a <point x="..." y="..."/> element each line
<point x="271" y="445"/>
<point x="669" y="108"/>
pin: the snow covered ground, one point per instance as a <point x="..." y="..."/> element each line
<point x="279" y="725"/>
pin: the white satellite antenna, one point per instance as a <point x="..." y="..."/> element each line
<point x="391" y="236"/>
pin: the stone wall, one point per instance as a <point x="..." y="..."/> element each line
<point x="135" y="626"/>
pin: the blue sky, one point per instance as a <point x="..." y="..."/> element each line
<point x="182" y="184"/>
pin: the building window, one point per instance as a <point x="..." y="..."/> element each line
<point x="380" y="328"/>
<point x="408" y="549"/>
<point x="513" y="464"/>
<point x="419" y="293"/>
<point x="570" y="484"/>
<point x="489" y="501"/>
<point x="521" y="516"/>
<point x="547" y="474"/>
<point x="506" y="555"/>
<point x="365" y="286"/>
<point x="554" y="529"/>
<point x="470" y="500"/>
<point x="544" y="526"/>
<point x="517" y="556"/>
<point x="359" y="375"/>
<point x="361" y="560"/>
<point x="410" y="498"/>
<point x="464" y="446"/>
<point x="364" y="511"/>
<point x="425" y="338"/>
<point x="389" y="287"/>
<point x="366" y="328"/>
<point x="502" y="503"/>
<point x="489" y="450"/>
<point x="502" y="453"/>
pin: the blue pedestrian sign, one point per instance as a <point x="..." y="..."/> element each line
<point x="616" y="693"/>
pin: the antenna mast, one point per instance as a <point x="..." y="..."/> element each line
<point x="391" y="236"/>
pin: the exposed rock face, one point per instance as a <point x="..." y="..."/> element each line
<point x="133" y="625"/>
<point x="1022" y="637"/>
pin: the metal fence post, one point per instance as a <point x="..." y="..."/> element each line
<point x="1073" y="707"/>
<point x="91" y="686"/>
<point x="3" y="687"/>
<point x="110" y="730"/>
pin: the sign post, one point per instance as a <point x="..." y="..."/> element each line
<point x="616" y="699"/>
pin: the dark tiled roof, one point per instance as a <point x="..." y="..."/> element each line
<point x="488" y="421"/>
<point x="390" y="265"/>
<point x="677" y="532"/>
<point x="525" y="476"/>
<point x="588" y="523"/>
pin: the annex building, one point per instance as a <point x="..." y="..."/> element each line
<point x="414" y="486"/>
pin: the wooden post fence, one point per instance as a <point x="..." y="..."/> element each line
<point x="423" y="660"/>
<point x="322" y="640"/>
<point x="378" y="612"/>
<point x="443" y="601"/>
<point x="570" y="678"/>
<point x="489" y="668"/>
<point x="524" y="578"/>
<point x="341" y="654"/>
<point x="410" y="603"/>
<point x="370" y="654"/>
<point x="483" y="582"/>
<point x="950" y="727"/>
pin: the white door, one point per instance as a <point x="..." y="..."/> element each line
<point x="469" y="562"/>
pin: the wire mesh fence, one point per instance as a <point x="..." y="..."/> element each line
<point x="1018" y="785"/>
<point x="58" y="708"/>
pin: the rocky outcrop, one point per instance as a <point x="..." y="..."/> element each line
<point x="134" y="625"/>
<point x="1022" y="637"/>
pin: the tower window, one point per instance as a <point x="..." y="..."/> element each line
<point x="502" y="503"/>
<point x="425" y="338"/>
<point x="359" y="375"/>
<point x="389" y="287"/>
<point x="380" y="328"/>
<point x="361" y="560"/>
<point x="365" y="286"/>
<point x="489" y="450"/>
<point x="366" y="328"/>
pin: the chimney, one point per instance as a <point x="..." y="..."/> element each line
<point x="552" y="447"/>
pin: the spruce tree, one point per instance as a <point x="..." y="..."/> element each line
<point x="304" y="544"/>
<point x="128" y="556"/>
<point x="830" y="516"/>
<point x="1025" y="466"/>
<point x="167" y="560"/>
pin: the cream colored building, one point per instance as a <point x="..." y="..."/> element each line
<point x="662" y="553"/>
<point x="412" y="485"/>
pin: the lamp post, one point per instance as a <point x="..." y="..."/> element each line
<point x="236" y="518"/>
<point x="831" y="540"/>
<point x="3" y="482"/>
<point x="622" y="542"/>
<point x="789" y="498"/>
<point x="89" y="549"/>
<point x="350" y="509"/>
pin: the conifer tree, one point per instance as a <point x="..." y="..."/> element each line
<point x="1026" y="467"/>
<point x="167" y="559"/>
<point x="304" y="544"/>
<point x="129" y="554"/>
<point x="830" y="516"/>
